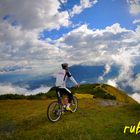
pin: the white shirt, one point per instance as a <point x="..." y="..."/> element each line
<point x="62" y="76"/>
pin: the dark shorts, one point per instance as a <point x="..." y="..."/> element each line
<point x="64" y="91"/>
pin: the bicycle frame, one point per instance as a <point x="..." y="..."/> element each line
<point x="56" y="108"/>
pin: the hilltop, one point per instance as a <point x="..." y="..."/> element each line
<point x="102" y="91"/>
<point x="105" y="91"/>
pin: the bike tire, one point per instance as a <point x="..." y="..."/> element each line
<point x="74" y="104"/>
<point x="54" y="111"/>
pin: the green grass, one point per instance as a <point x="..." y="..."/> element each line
<point x="26" y="120"/>
<point x="104" y="91"/>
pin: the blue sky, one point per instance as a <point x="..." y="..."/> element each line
<point x="102" y="14"/>
<point x="36" y="37"/>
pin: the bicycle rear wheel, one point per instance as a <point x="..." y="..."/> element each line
<point x="54" y="111"/>
<point x="74" y="104"/>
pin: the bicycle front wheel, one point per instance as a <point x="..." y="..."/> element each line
<point x="74" y="104"/>
<point x="54" y="111"/>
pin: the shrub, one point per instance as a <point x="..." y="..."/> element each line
<point x="11" y="96"/>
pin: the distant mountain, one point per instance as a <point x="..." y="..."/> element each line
<point x="91" y="74"/>
<point x="83" y="74"/>
<point x="86" y="74"/>
<point x="12" y="78"/>
<point x="36" y="82"/>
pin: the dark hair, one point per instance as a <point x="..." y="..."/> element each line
<point x="64" y="65"/>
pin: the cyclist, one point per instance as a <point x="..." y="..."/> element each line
<point x="61" y="79"/>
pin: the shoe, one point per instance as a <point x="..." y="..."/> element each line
<point x="68" y="109"/>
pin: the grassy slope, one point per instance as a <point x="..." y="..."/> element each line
<point x="97" y="89"/>
<point x="26" y="120"/>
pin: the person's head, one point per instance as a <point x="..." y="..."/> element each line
<point x="64" y="66"/>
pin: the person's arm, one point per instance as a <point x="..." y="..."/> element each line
<point x="71" y="78"/>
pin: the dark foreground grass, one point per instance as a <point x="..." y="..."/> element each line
<point x="26" y="120"/>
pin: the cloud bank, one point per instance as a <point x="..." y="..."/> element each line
<point x="136" y="96"/>
<point x="134" y="6"/>
<point x="33" y="14"/>
<point x="11" y="89"/>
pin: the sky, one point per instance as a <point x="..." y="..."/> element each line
<point x="37" y="36"/>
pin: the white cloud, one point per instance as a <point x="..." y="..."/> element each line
<point x="11" y="89"/>
<point x="20" y="43"/>
<point x="77" y="9"/>
<point x="124" y="59"/>
<point x="33" y="14"/>
<point x="42" y="89"/>
<point x="23" y="48"/>
<point x="134" y="6"/>
<point x="106" y="71"/>
<point x="136" y="21"/>
<point x="112" y="45"/>
<point x="138" y="32"/>
<point x="136" y="96"/>
<point x="84" y="45"/>
<point x="112" y="82"/>
<point x="83" y="82"/>
<point x="135" y="9"/>
<point x="8" y="89"/>
<point x="135" y="83"/>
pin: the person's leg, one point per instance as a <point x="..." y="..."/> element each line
<point x="58" y="93"/>
<point x="69" y="94"/>
<point x="70" y="97"/>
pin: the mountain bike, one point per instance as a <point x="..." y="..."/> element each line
<point x="56" y="108"/>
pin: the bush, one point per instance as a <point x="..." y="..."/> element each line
<point x="109" y="96"/>
<point x="11" y="96"/>
<point x="99" y="92"/>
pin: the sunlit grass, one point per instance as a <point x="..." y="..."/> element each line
<point x="26" y="120"/>
<point x="80" y="96"/>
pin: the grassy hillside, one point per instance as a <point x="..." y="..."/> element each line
<point x="26" y="120"/>
<point x="103" y="113"/>
<point x="102" y="91"/>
